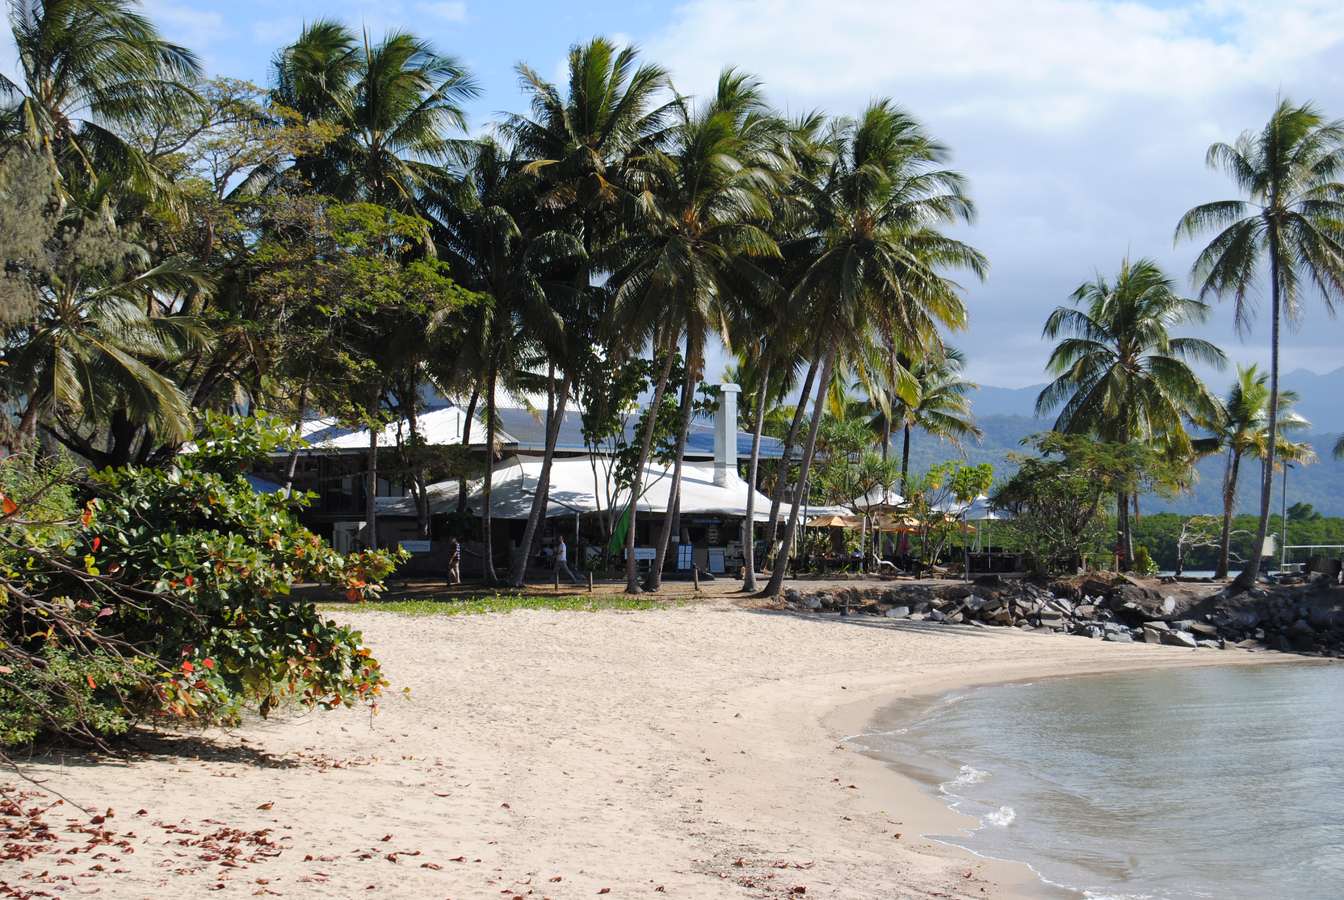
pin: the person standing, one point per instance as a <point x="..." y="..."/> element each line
<point x="454" y="562"/>
<point x="562" y="560"/>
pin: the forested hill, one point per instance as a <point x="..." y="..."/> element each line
<point x="1320" y="484"/>
<point x="1318" y="398"/>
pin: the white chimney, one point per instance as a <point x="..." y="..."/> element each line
<point x="725" y="434"/>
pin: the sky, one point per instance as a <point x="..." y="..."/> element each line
<point x="1081" y="124"/>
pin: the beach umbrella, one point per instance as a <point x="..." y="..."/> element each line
<point x="833" y="521"/>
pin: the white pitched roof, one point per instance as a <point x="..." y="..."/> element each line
<point x="573" y="490"/>
<point x="439" y="427"/>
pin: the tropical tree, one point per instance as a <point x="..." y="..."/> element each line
<point x="1119" y="373"/>
<point x="936" y="400"/>
<point x="1289" y="222"/>
<point x="396" y="103"/>
<point x="1240" y="430"/>
<point x="877" y="257"/>
<point x="88" y="71"/>
<point x="691" y="250"/>
<point x="87" y="360"/>
<point x="584" y="146"/>
<point x="487" y="230"/>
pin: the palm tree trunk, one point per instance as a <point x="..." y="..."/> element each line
<point x="749" y="526"/>
<point x="466" y="442"/>
<point x="1251" y="573"/>
<point x="1229" y="505"/>
<point x="905" y="459"/>
<point x="886" y="437"/>
<point x="417" y="468"/>
<point x="487" y="523"/>
<point x="292" y="466"/>
<point x="772" y="525"/>
<point x="637" y="483"/>
<point x="777" y="574"/>
<point x="1122" y="531"/>
<point x="370" y="505"/>
<point x="27" y="426"/>
<point x="539" y="499"/>
<point x="655" y="580"/>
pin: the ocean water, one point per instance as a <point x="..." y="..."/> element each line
<point x="1203" y="783"/>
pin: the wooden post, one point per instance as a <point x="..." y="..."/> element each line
<point x="590" y="581"/>
<point x="557" y="579"/>
<point x="695" y="576"/>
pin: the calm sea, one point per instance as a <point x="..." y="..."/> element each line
<point x="1209" y="783"/>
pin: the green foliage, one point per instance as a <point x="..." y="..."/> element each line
<point x="170" y="595"/>
<point x="507" y="603"/>
<point x="1056" y="498"/>
<point x="1161" y="531"/>
<point x="1143" y="563"/>
<point x="66" y="692"/>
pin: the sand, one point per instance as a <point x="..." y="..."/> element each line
<point x="685" y="752"/>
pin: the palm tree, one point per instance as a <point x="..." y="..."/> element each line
<point x="396" y="102"/>
<point x="876" y="255"/>
<point x="1290" y="173"/>
<point x="1338" y="452"/>
<point x="691" y="252"/>
<point x="1120" y="374"/>
<point x="1240" y="430"/>
<point x="939" y="404"/>
<point x="582" y="146"/>
<point x="88" y="359"/>
<point x="89" y="70"/>
<point x="481" y="233"/>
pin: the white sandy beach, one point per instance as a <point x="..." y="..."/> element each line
<point x="689" y="752"/>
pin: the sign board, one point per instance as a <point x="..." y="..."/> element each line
<point x="415" y="546"/>
<point x="645" y="553"/>
<point x="716" y="565"/>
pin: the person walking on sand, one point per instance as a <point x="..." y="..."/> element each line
<point x="454" y="562"/>
<point x="562" y="561"/>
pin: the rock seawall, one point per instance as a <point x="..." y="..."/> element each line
<point x="1302" y="618"/>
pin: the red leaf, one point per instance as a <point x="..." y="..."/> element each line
<point x="208" y="663"/>
<point x="189" y="580"/>
<point x="8" y="505"/>
<point x="187" y="666"/>
<point x="97" y="542"/>
<point x="92" y="684"/>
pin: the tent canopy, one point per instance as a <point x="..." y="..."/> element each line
<point x="877" y="498"/>
<point x="575" y="486"/>
<point x="978" y="510"/>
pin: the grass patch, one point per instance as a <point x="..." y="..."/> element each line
<point x="506" y="603"/>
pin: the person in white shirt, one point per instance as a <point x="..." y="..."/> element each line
<point x="562" y="560"/>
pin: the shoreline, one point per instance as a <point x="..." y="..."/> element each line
<point x="694" y="749"/>
<point x="1012" y="878"/>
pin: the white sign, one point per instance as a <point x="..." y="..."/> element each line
<point x="415" y="546"/>
<point x="647" y="553"/>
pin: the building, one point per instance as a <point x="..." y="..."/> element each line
<point x="586" y="504"/>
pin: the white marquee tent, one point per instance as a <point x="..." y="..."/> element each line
<point x="575" y="487"/>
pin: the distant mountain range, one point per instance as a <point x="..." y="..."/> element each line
<point x="1321" y="399"/>
<point x="1006" y="417"/>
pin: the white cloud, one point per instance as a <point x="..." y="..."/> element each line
<point x="186" y="25"/>
<point x="1082" y="124"/>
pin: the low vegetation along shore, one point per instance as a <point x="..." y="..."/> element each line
<point x="691" y="750"/>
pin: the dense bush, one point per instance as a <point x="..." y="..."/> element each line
<point x="166" y="593"/>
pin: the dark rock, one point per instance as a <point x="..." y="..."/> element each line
<point x="1179" y="639"/>
<point x="1119" y="637"/>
